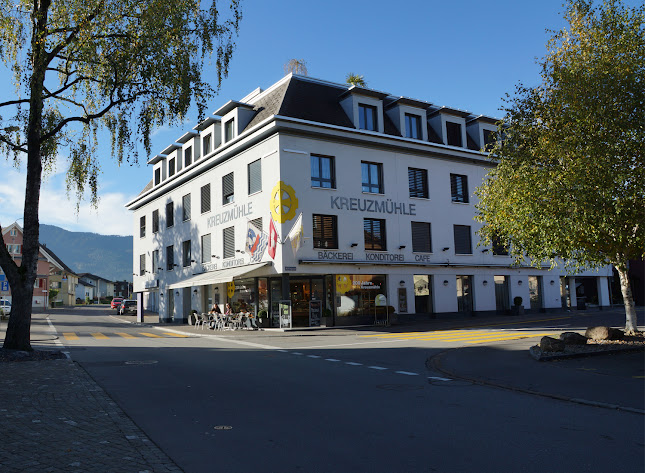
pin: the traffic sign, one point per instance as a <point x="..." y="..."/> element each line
<point x="4" y="286"/>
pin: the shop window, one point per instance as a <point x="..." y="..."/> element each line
<point x="185" y="253"/>
<point x="418" y="182"/>
<point x="421" y="237"/>
<point x="170" y="257"/>
<point x="185" y="205"/>
<point x="323" y="172"/>
<point x="228" y="189"/>
<point x="453" y="134"/>
<point x="255" y="176"/>
<point x="206" y="198"/>
<point x="372" y="177"/>
<point x="142" y="265"/>
<point x="206" y="248"/>
<point x="459" y="188"/>
<point x="413" y="126"/>
<point x="142" y="227"/>
<point x="367" y="117"/>
<point x="170" y="215"/>
<point x="374" y="230"/>
<point x="355" y="294"/>
<point x="155" y="221"/>
<point x="325" y="231"/>
<point x="463" y="244"/>
<point x="228" y="240"/>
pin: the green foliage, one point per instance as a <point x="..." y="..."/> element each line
<point x="355" y="79"/>
<point x="570" y="179"/>
<point x="52" y="294"/>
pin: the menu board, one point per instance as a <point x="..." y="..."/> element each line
<point x="285" y="314"/>
<point x="315" y="313"/>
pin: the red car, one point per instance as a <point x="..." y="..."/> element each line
<point x="116" y="302"/>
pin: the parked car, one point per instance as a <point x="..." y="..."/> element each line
<point x="5" y="307"/>
<point x="116" y="302"/>
<point x="127" y="306"/>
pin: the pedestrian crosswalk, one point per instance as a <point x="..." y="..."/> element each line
<point x="469" y="337"/>
<point x="71" y="336"/>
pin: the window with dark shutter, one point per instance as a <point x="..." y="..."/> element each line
<point x="257" y="222"/>
<point x="325" y="231"/>
<point x="463" y="245"/>
<point x="171" y="167"/>
<point x="453" y="134"/>
<point x="206" y="248"/>
<point x="155" y="221"/>
<point x="374" y="230"/>
<point x="323" y="173"/>
<point x="142" y="227"/>
<point x="185" y="252"/>
<point x="206" y="198"/>
<point x="228" y="189"/>
<point x="421" y="237"/>
<point x="142" y="265"/>
<point x="185" y="204"/>
<point x="188" y="156"/>
<point x="418" y="182"/>
<point x="157" y="176"/>
<point x="228" y="240"/>
<point x="459" y="188"/>
<point x="255" y="176"/>
<point x="170" y="257"/>
<point x="170" y="215"/>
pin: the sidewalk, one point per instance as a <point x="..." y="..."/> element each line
<point x="55" y="418"/>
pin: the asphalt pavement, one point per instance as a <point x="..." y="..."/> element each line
<point x="55" y="417"/>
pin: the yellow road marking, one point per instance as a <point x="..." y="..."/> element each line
<point x="70" y="336"/>
<point x="510" y="337"/>
<point x="410" y="334"/>
<point x="460" y="334"/>
<point x="468" y="335"/>
<point x="175" y="334"/>
<point x="99" y="336"/>
<point x="125" y="335"/>
<point x="151" y="335"/>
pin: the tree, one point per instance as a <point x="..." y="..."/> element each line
<point x="86" y="66"/>
<point x="355" y="79"/>
<point x="569" y="184"/>
<point x="296" y="66"/>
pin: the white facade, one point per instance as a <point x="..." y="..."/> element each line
<point x="345" y="272"/>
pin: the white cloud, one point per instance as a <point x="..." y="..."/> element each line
<point x="110" y="218"/>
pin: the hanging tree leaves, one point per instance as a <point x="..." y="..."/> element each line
<point x="84" y="68"/>
<point x="570" y="179"/>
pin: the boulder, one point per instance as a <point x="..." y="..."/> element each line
<point x="604" y="333"/>
<point x="551" y="344"/>
<point x="573" y="338"/>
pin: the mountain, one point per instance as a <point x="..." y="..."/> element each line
<point x="108" y="256"/>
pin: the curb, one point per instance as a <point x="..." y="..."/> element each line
<point x="537" y="354"/>
<point x="434" y="363"/>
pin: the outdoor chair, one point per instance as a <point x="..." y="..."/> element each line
<point x="201" y="320"/>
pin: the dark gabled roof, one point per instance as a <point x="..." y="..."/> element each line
<point x="93" y="276"/>
<point x="147" y="188"/>
<point x="432" y="135"/>
<point x="57" y="259"/>
<point x="471" y="143"/>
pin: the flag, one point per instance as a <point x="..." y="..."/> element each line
<point x="273" y="239"/>
<point x="256" y="242"/>
<point x="295" y="235"/>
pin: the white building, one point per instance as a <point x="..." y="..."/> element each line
<point x="384" y="187"/>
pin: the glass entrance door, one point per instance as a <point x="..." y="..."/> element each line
<point x="535" y="292"/>
<point x="465" y="294"/>
<point x="423" y="294"/>
<point x="502" y="302"/>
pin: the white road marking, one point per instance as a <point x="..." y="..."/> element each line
<point x="331" y="359"/>
<point x="407" y="373"/>
<point x="377" y="367"/>
<point x="296" y="353"/>
<point x="439" y="379"/>
<point x="313" y="356"/>
<point x="283" y="351"/>
<point x="353" y="363"/>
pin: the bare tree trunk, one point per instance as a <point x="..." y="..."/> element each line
<point x="628" y="299"/>
<point x="22" y="279"/>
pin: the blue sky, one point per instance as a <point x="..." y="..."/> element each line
<point x="465" y="54"/>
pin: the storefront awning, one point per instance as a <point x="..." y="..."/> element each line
<point x="216" y="277"/>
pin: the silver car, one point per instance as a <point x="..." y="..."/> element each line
<point x="5" y="308"/>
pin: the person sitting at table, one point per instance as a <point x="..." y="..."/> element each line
<point x="214" y="313"/>
<point x="249" y="322"/>
<point x="228" y="310"/>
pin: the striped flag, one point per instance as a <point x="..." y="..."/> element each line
<point x="273" y="239"/>
<point x="296" y="235"/>
<point x="256" y="242"/>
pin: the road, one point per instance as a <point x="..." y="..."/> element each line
<point x="341" y="401"/>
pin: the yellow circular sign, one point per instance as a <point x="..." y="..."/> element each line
<point x="230" y="289"/>
<point x="343" y="283"/>
<point x="283" y="202"/>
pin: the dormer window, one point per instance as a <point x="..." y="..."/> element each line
<point x="228" y="130"/>
<point x="157" y="176"/>
<point x="171" y="167"/>
<point x="489" y="139"/>
<point x="453" y="134"/>
<point x="413" y="126"/>
<point x="367" y="117"/>
<point x="188" y="157"/>
<point x="206" y="144"/>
